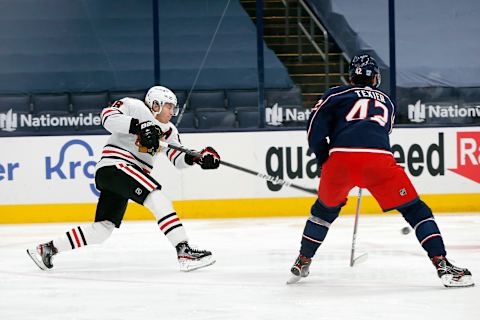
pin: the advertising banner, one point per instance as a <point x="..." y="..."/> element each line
<point x="438" y="106"/>
<point x="36" y="170"/>
<point x="13" y="124"/>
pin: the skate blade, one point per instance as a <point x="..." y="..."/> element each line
<point x="463" y="282"/>
<point x="294" y="279"/>
<point x="190" y="265"/>
<point x="32" y="253"/>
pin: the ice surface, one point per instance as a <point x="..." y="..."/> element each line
<point x="134" y="274"/>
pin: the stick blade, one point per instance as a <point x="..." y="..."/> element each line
<point x="360" y="259"/>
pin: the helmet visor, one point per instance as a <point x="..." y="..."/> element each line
<point x="176" y="110"/>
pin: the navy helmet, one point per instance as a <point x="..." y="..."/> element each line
<point x="363" y="69"/>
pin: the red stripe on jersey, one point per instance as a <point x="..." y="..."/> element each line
<point x="354" y="149"/>
<point x="108" y="150"/>
<point x="168" y="223"/>
<point x="116" y="152"/>
<point x="139" y="176"/>
<point x="76" y="238"/>
<point x="173" y="153"/>
<point x="107" y="111"/>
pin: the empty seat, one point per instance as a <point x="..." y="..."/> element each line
<point x="470" y="95"/>
<point x="181" y="97"/>
<point x="90" y="105"/>
<point x="56" y="104"/>
<point x="215" y="119"/>
<point x="248" y="117"/>
<point x="207" y="99"/>
<point x="291" y="96"/>
<point x="187" y="121"/>
<point x="89" y="102"/>
<point x="18" y="103"/>
<point x="114" y="96"/>
<point x="242" y="98"/>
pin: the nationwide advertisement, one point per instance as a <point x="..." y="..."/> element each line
<point x="438" y="106"/>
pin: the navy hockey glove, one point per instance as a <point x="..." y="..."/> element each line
<point x="208" y="159"/>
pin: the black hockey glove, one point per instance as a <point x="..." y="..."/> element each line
<point x="149" y="135"/>
<point x="208" y="159"/>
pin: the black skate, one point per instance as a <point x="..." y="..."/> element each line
<point x="300" y="269"/>
<point x="192" y="259"/>
<point x="451" y="275"/>
<point x="43" y="254"/>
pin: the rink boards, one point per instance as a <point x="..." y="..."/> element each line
<point x="51" y="178"/>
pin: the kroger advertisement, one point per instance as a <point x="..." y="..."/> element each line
<point x="50" y="170"/>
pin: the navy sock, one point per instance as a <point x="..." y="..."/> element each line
<point x="316" y="227"/>
<point x="421" y="219"/>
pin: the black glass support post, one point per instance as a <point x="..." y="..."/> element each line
<point x="156" y="43"/>
<point x="393" y="67"/>
<point x="260" y="63"/>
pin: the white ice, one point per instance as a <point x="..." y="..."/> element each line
<point x="134" y="274"/>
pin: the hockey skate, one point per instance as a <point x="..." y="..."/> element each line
<point x="43" y="254"/>
<point x="300" y="269"/>
<point x="451" y="275"/>
<point x="191" y="259"/>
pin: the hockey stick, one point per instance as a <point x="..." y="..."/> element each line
<point x="362" y="257"/>
<point x="274" y="180"/>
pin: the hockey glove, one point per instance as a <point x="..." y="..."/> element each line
<point x="148" y="134"/>
<point x="208" y="159"/>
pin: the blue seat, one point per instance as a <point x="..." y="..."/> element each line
<point x="18" y="103"/>
<point x="214" y="99"/>
<point x="188" y="121"/>
<point x="114" y="96"/>
<point x="290" y="96"/>
<point x="215" y="119"/>
<point x="248" y="117"/>
<point x="181" y="97"/>
<point x="54" y="104"/>
<point x="89" y="102"/>
<point x="242" y="98"/>
<point x="470" y="95"/>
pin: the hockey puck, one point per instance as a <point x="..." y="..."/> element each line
<point x="405" y="230"/>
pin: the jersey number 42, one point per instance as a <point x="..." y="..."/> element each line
<point x="359" y="111"/>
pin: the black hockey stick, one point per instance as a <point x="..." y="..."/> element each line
<point x="274" y="180"/>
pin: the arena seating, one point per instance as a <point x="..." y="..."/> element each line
<point x="19" y="103"/>
<point x="97" y="46"/>
<point x="52" y="104"/>
<point x="423" y="60"/>
<point x="242" y="98"/>
<point x="89" y="102"/>
<point x="215" y="119"/>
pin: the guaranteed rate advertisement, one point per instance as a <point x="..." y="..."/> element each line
<point x="56" y="170"/>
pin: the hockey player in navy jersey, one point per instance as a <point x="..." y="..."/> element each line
<point x="348" y="130"/>
<point x="123" y="173"/>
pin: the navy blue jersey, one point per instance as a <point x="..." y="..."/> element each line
<point x="352" y="116"/>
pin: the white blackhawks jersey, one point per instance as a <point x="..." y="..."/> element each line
<point x="121" y="147"/>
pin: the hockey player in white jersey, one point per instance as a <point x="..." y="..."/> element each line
<point x="123" y="173"/>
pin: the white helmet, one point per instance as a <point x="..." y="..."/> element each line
<point x="161" y="95"/>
